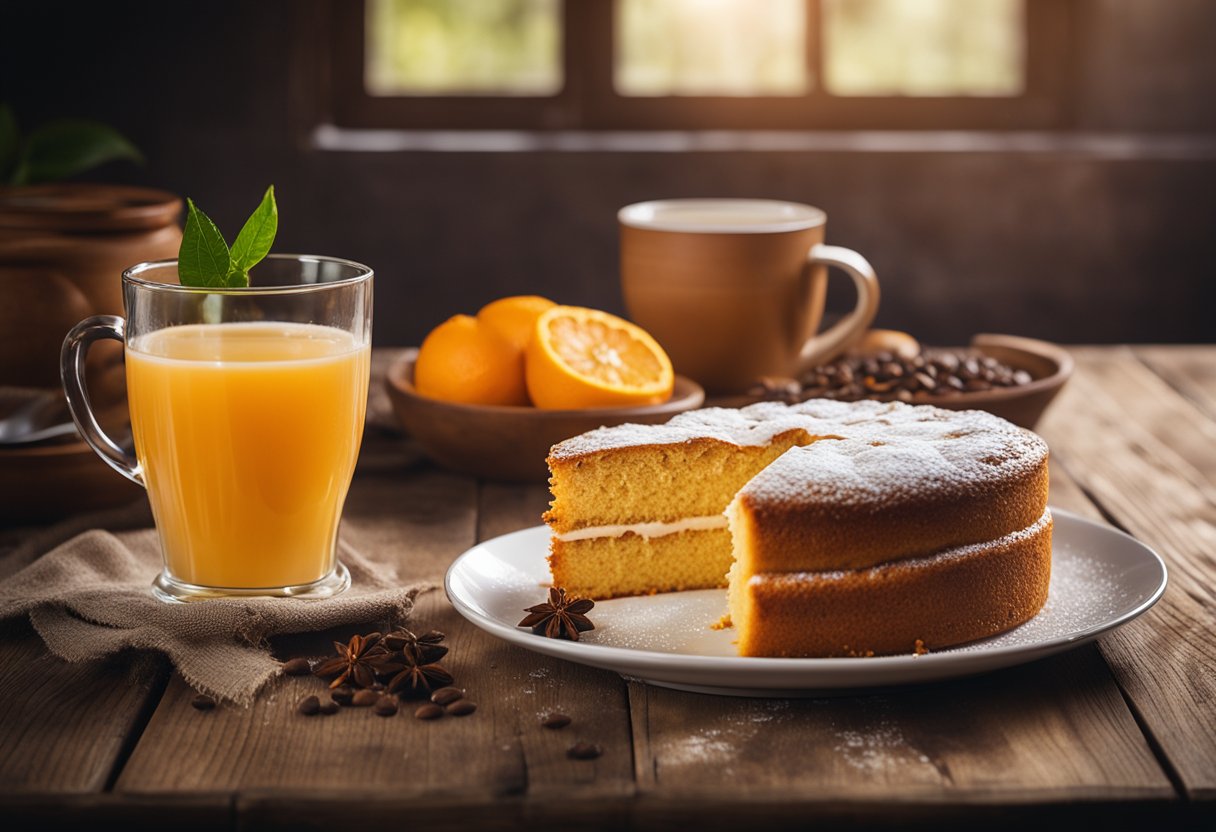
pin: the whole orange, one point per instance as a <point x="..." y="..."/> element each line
<point x="514" y="318"/>
<point x="465" y="361"/>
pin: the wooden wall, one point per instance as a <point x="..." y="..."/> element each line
<point x="1103" y="232"/>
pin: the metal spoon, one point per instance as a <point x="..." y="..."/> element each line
<point x="35" y="421"/>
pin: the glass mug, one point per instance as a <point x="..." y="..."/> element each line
<point x="247" y="409"/>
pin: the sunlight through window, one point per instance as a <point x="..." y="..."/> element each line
<point x="463" y="47"/>
<point x="711" y="47"/>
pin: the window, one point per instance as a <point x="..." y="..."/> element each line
<point x="689" y="64"/>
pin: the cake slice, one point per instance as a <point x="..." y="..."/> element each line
<point x="824" y="514"/>
<point x="638" y="517"/>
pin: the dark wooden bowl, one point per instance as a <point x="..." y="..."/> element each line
<point x="1049" y="365"/>
<point x="41" y="483"/>
<point x="509" y="443"/>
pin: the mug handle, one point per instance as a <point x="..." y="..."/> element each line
<point x="828" y="344"/>
<point x="71" y="370"/>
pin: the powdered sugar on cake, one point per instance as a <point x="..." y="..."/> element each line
<point x="868" y="451"/>
<point x="905" y="455"/>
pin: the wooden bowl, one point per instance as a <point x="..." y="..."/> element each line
<point x="1049" y="366"/>
<point x="47" y="482"/>
<point x="509" y="443"/>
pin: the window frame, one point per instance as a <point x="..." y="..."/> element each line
<point x="589" y="101"/>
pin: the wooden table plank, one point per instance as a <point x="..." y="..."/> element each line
<point x="72" y="812"/>
<point x="1052" y="730"/>
<point x="500" y="751"/>
<point x="1036" y="741"/>
<point x="1174" y="420"/>
<point x="1191" y="370"/>
<point x="430" y="517"/>
<point x="1120" y="433"/>
<point x="534" y="686"/>
<point x="65" y="728"/>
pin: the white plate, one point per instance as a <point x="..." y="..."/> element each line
<point x="1101" y="578"/>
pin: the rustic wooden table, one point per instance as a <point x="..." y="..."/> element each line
<point x="1122" y="731"/>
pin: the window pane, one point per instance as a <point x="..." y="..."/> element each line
<point x="711" y="47"/>
<point x="469" y="47"/>
<point x="923" y="47"/>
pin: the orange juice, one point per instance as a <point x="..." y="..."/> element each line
<point x="247" y="436"/>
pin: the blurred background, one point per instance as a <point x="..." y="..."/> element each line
<point x="1038" y="167"/>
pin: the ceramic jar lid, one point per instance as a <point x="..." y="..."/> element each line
<point x="80" y="206"/>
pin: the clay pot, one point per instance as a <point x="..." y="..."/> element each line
<point x="70" y="243"/>
<point x="63" y="249"/>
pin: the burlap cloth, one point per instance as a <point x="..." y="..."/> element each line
<point x="86" y="586"/>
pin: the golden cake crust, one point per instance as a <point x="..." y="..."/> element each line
<point x="949" y="598"/>
<point x="819" y="532"/>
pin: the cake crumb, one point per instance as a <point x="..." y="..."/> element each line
<point x="919" y="649"/>
<point x="722" y="623"/>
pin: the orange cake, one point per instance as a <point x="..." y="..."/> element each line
<point x="846" y="529"/>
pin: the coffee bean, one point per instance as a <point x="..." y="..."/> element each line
<point x="429" y="711"/>
<point x="584" y="751"/>
<point x="364" y="698"/>
<point x="461" y="707"/>
<point x="889" y="375"/>
<point x="555" y="721"/>
<point x="342" y="695"/>
<point x="446" y="696"/>
<point x="202" y="703"/>
<point x="309" y="706"/>
<point x="379" y="687"/>
<point x="386" y="706"/>
<point x="297" y="667"/>
<point x="329" y="708"/>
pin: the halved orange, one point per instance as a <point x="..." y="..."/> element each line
<point x="580" y="358"/>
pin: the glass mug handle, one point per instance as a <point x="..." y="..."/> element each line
<point x="828" y="344"/>
<point x="71" y="369"/>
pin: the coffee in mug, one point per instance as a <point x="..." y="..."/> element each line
<point x="734" y="289"/>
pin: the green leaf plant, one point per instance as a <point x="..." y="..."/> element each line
<point x="58" y="149"/>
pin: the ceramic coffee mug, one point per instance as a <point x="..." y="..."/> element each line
<point x="734" y="288"/>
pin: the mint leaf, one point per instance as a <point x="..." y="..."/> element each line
<point x="62" y="148"/>
<point x="203" y="258"/>
<point x="255" y="239"/>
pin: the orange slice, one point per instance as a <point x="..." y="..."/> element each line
<point x="580" y="358"/>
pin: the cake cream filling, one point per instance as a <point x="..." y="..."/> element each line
<point x="647" y="530"/>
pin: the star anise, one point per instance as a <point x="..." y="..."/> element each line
<point x="559" y="617"/>
<point x="422" y="649"/>
<point x="356" y="661"/>
<point x="419" y="679"/>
